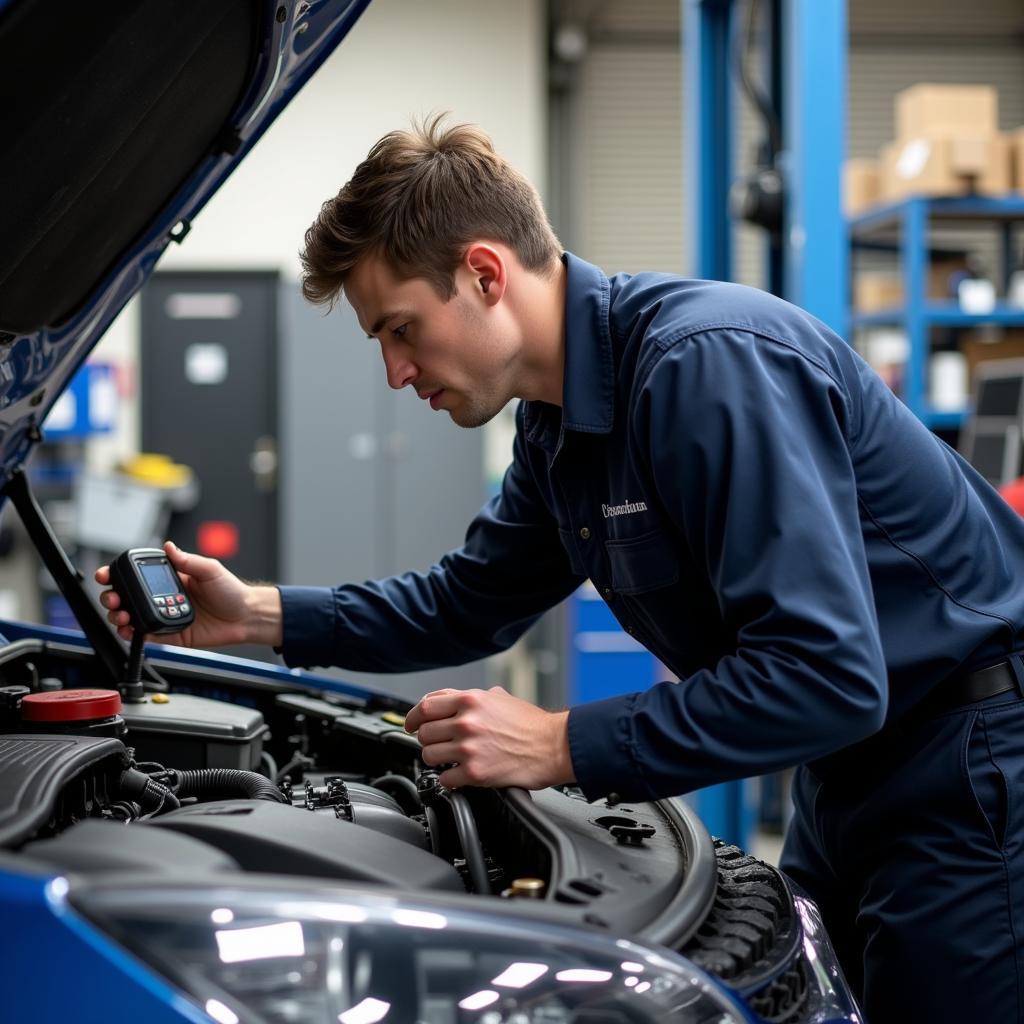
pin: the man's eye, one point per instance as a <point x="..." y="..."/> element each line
<point x="399" y="332"/>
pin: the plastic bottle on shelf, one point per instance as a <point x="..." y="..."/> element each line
<point x="974" y="289"/>
<point x="947" y="381"/>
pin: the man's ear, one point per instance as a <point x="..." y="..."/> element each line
<point x="488" y="271"/>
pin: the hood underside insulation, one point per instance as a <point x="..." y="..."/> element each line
<point x="110" y="107"/>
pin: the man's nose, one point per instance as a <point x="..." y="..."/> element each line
<point x="400" y="370"/>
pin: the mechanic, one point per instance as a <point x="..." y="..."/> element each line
<point x="834" y="587"/>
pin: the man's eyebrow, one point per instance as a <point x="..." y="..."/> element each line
<point x="384" y="318"/>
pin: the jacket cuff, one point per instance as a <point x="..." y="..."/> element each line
<point x="308" y="625"/>
<point x="603" y="752"/>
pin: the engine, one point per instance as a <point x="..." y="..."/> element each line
<point x="197" y="783"/>
<point x="64" y="795"/>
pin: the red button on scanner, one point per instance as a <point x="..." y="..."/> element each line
<point x="180" y="599"/>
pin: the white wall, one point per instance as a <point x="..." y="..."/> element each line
<point x="482" y="60"/>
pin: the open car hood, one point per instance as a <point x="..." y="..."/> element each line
<point x="122" y="119"/>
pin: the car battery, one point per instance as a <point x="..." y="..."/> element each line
<point x="179" y="730"/>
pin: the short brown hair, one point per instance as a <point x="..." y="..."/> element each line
<point x="418" y="199"/>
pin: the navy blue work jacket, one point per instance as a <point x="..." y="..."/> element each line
<point x="756" y="508"/>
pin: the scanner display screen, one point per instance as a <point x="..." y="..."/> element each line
<point x="158" y="578"/>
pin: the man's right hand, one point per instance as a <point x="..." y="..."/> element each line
<point x="227" y="610"/>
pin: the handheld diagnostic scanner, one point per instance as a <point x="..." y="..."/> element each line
<point x="151" y="591"/>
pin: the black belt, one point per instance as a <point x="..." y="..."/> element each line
<point x="970" y="688"/>
<point x="855" y="764"/>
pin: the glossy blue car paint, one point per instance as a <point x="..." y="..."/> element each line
<point x="57" y="967"/>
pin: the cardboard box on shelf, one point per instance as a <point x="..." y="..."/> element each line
<point x="945" y="166"/>
<point x="946" y="110"/>
<point x="1017" y="159"/>
<point x="874" y="291"/>
<point x="862" y="185"/>
<point x="878" y="290"/>
<point x="969" y="155"/>
<point x="985" y="344"/>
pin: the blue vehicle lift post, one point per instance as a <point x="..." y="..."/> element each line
<point x="814" y="44"/>
<point x="808" y="68"/>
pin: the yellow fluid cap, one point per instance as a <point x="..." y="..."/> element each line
<point x="394" y="718"/>
<point x="160" y="698"/>
<point x="529" y="887"/>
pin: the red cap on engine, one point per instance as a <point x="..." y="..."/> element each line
<point x="70" y="705"/>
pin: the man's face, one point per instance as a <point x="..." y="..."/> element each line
<point x="459" y="355"/>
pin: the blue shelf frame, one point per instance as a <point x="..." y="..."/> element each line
<point x="943" y="314"/>
<point x="1004" y="208"/>
<point x="911" y="219"/>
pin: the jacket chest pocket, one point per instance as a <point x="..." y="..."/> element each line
<point x="643" y="563"/>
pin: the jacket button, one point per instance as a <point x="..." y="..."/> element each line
<point x="585" y="533"/>
<point x="607" y="591"/>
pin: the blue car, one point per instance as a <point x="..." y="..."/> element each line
<point x="209" y="838"/>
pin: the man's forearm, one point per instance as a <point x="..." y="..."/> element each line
<point x="265" y="617"/>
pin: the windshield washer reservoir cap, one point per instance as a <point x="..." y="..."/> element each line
<point x="70" y="705"/>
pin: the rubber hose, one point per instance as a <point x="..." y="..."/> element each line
<point x="465" y="825"/>
<point x="434" y="828"/>
<point x="399" y="786"/>
<point x="224" y="783"/>
<point x="164" y="798"/>
<point x="269" y="765"/>
<point x="149" y="794"/>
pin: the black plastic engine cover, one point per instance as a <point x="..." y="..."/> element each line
<point x="278" y="839"/>
<point x="35" y="769"/>
<point x="108" y="848"/>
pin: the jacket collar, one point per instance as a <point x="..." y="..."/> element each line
<point x="588" y="393"/>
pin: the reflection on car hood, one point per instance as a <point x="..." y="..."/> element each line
<point x="127" y="118"/>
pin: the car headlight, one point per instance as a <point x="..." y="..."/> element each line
<point x="830" y="997"/>
<point x="356" y="958"/>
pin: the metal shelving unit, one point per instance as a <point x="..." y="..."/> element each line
<point x="910" y="220"/>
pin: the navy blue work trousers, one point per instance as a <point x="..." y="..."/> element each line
<point x="913" y="848"/>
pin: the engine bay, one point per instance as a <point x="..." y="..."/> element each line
<point x="258" y="777"/>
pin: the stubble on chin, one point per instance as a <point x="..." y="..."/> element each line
<point x="468" y="419"/>
<point x="470" y="414"/>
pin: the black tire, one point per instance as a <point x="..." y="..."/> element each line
<point x="751" y="938"/>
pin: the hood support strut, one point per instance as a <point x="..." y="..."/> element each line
<point x="108" y="648"/>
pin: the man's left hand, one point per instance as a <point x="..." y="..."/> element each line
<point x="493" y="738"/>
